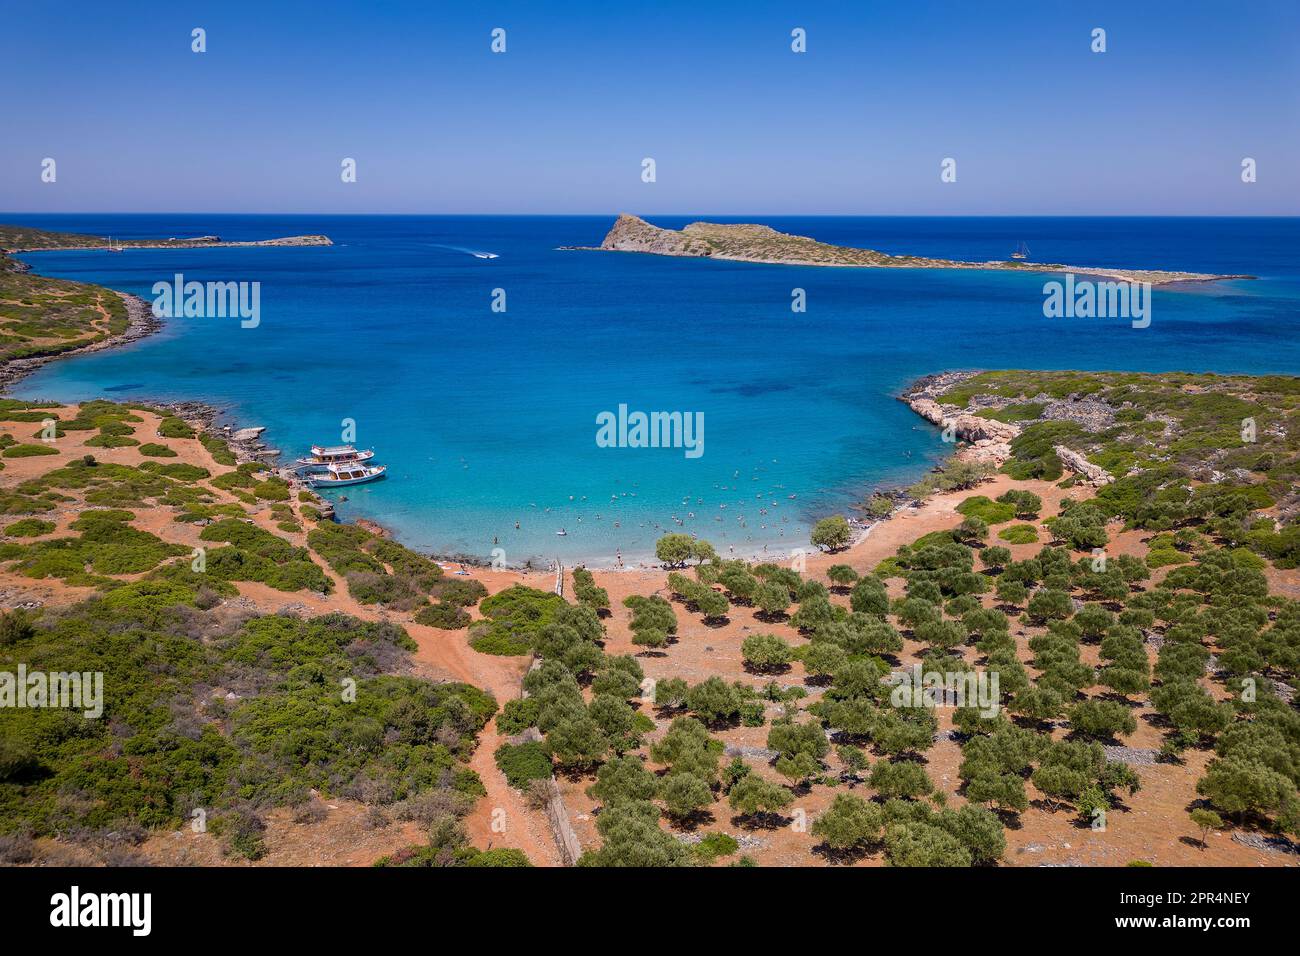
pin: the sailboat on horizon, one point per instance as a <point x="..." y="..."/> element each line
<point x="1022" y="251"/>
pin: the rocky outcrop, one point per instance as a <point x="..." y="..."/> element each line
<point x="990" y="441"/>
<point x="928" y="409"/>
<point x="1093" y="415"/>
<point x="631" y="234"/>
<point x="1082" y="466"/>
<point x="971" y="428"/>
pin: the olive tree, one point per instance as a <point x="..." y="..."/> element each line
<point x="832" y="534"/>
<point x="849" y="823"/>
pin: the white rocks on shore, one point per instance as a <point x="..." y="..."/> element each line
<point x="990" y="440"/>
<point x="1082" y="466"/>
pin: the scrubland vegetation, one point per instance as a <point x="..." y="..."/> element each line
<point x="1218" y="454"/>
<point x="213" y="708"/>
<point x="40" y="316"/>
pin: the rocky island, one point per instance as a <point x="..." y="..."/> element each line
<point x="747" y="242"/>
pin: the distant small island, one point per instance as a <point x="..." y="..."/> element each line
<point x="748" y="242"/>
<point x="22" y="239"/>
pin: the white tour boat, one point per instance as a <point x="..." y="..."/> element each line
<point x="338" y="474"/>
<point x="334" y="454"/>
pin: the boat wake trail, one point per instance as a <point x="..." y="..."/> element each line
<point x="476" y="253"/>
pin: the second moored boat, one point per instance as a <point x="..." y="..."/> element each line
<point x="337" y="474"/>
<point x="334" y="454"/>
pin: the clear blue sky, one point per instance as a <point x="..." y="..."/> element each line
<point x="737" y="123"/>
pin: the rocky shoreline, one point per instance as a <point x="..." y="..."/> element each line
<point x="989" y="440"/>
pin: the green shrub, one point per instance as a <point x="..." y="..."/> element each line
<point x="1019" y="534"/>
<point x="29" y="528"/>
<point x="512" y="620"/>
<point x="986" y="509"/>
<point x="495" y="857"/>
<point x="341" y="546"/>
<point x="523" y="763"/>
<point x="29" y="451"/>
<point x="447" y="617"/>
<point x="257" y="555"/>
<point x="178" y="470"/>
<point x="518" y="715"/>
<point x="232" y="480"/>
<point x="172" y="427"/>
<point x="273" y="489"/>
<point x="217" y="448"/>
<point x="716" y="845"/>
<point x="111" y="441"/>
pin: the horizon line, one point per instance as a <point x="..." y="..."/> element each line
<point x="671" y="215"/>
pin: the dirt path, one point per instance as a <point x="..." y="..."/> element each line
<point x="502" y="818"/>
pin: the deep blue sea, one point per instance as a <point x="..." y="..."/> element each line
<point x="486" y="419"/>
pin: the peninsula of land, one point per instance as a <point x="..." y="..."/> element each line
<point x="23" y="239"/>
<point x="747" y="242"/>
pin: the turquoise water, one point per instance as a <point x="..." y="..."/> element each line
<point x="487" y="418"/>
